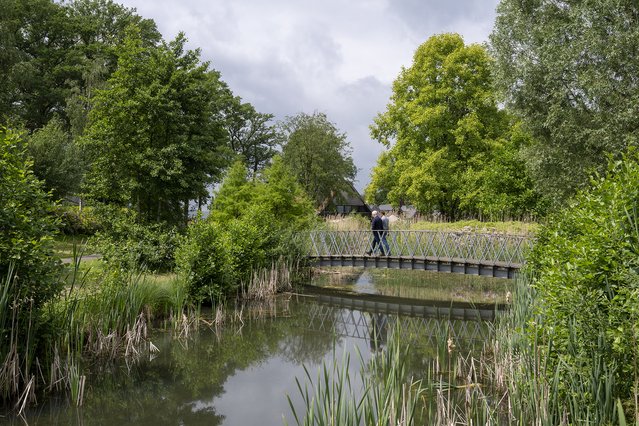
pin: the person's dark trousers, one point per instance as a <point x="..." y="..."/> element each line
<point x="377" y="242"/>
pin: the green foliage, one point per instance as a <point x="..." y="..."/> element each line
<point x="155" y="138"/>
<point x="53" y="54"/>
<point x="73" y="221"/>
<point x="319" y="156"/>
<point x="234" y="195"/>
<point x="279" y="195"/>
<point x="130" y="245"/>
<point x="445" y="134"/>
<point x="57" y="160"/>
<point x="584" y="266"/>
<point x="203" y="262"/>
<point x="243" y="234"/>
<point x="29" y="273"/>
<point x="568" y="69"/>
<point x="250" y="134"/>
<point x="27" y="226"/>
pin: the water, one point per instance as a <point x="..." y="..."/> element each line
<point x="241" y="374"/>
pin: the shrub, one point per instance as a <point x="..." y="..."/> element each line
<point x="202" y="261"/>
<point x="585" y="267"/>
<point x="75" y="222"/>
<point x="27" y="226"/>
<point x="130" y="245"/>
<point x="221" y="252"/>
<point x="29" y="274"/>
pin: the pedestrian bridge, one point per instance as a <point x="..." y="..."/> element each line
<point x="487" y="254"/>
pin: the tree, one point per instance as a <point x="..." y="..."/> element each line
<point x="250" y="134"/>
<point x="234" y="195"/>
<point x="570" y="71"/>
<point x="52" y="54"/>
<point x="318" y="155"/>
<point x="442" y="128"/>
<point x="57" y="160"/>
<point x="156" y="139"/>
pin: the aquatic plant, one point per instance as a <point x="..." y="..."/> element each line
<point x="385" y="395"/>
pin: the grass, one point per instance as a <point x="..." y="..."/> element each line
<point x="354" y="223"/>
<point x="100" y="314"/>
<point x="383" y="393"/>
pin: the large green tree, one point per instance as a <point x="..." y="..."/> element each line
<point x="443" y="129"/>
<point x="156" y="139"/>
<point x="570" y="70"/>
<point x="251" y="134"/>
<point x="319" y="155"/>
<point x="52" y="54"/>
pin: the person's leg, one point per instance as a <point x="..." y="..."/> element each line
<point x="376" y="243"/>
<point x="385" y="245"/>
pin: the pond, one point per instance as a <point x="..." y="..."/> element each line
<point x="241" y="372"/>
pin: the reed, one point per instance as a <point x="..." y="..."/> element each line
<point x="17" y="343"/>
<point x="385" y="394"/>
<point x="105" y="316"/>
<point x="267" y="282"/>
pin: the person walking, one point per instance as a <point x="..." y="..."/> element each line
<point x="386" y="227"/>
<point x="377" y="227"/>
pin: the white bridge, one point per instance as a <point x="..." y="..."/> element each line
<point x="495" y="255"/>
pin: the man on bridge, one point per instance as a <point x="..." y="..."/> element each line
<point x="377" y="226"/>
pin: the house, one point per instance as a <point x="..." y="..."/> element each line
<point x="349" y="201"/>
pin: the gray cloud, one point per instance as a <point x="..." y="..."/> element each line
<point x="340" y="58"/>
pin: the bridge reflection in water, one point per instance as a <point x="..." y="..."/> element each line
<point x="419" y="322"/>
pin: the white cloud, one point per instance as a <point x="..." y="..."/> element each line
<point x="288" y="56"/>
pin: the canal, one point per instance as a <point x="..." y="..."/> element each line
<point x="240" y="371"/>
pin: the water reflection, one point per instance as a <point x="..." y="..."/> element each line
<point x="241" y="372"/>
<point x="416" y="284"/>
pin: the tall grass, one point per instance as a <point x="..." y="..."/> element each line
<point x="383" y="395"/>
<point x="267" y="282"/>
<point x="517" y="365"/>
<point x="508" y="381"/>
<point x="361" y="223"/>
<point x="16" y="343"/>
<point x="103" y="317"/>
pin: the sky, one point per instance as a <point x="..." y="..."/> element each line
<point x="338" y="57"/>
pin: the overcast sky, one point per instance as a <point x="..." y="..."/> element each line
<point x="338" y="57"/>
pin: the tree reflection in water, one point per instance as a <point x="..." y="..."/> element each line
<point x="239" y="372"/>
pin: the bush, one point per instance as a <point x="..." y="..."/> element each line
<point x="75" y="222"/>
<point x="202" y="261"/>
<point x="29" y="274"/>
<point x="585" y="267"/>
<point x="27" y="226"/>
<point x="221" y="253"/>
<point x="130" y="245"/>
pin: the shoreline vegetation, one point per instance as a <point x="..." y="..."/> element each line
<point x="540" y="122"/>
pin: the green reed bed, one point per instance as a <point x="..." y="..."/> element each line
<point x="101" y="315"/>
<point x="382" y="394"/>
<point x="577" y="390"/>
<point x="510" y="380"/>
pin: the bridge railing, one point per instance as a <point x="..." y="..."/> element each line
<point x="470" y="246"/>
